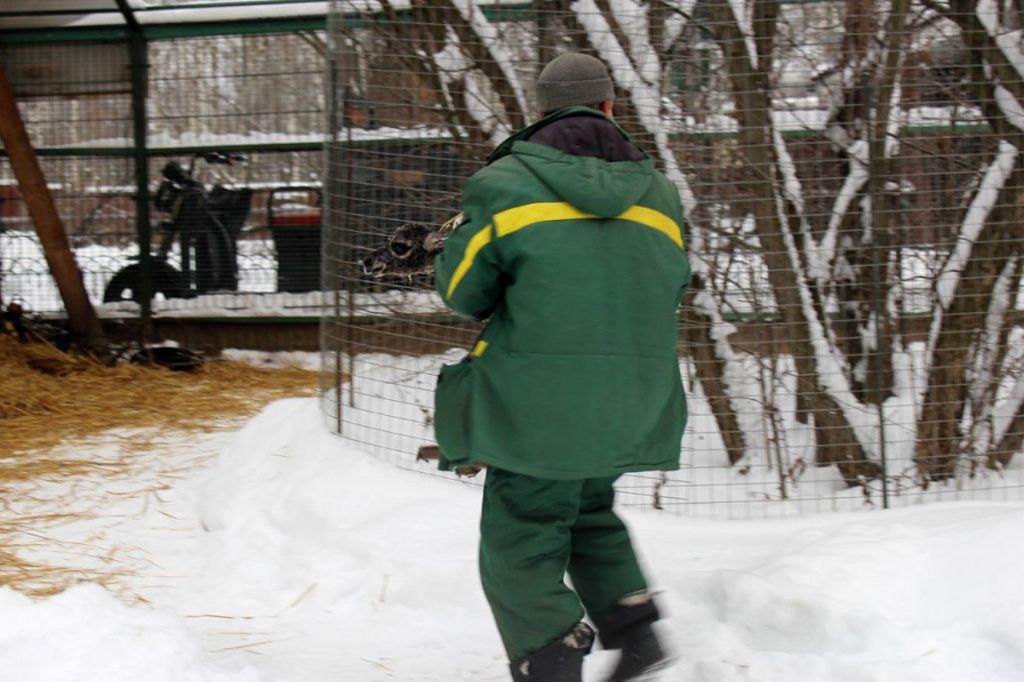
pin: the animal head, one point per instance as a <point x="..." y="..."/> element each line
<point x="410" y="250"/>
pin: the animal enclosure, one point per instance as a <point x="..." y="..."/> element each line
<point x="184" y="152"/>
<point x="852" y="183"/>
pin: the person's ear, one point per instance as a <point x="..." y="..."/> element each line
<point x="605" y="108"/>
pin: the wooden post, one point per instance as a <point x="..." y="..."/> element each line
<point x="85" y="326"/>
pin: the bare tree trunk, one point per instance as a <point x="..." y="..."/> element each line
<point x="939" y="437"/>
<point x="836" y="441"/>
<point x="938" y="431"/>
<point x="999" y="456"/>
<point x="990" y="354"/>
<point x="696" y="335"/>
<point x="868" y="75"/>
<point x="879" y="384"/>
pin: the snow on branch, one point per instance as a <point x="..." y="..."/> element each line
<point x="645" y="94"/>
<point x="676" y="24"/>
<point x="892" y="125"/>
<point x="479" y="97"/>
<point x="745" y="23"/>
<point x="981" y="206"/>
<point x="986" y="355"/>
<point x="793" y="190"/>
<point x="488" y="34"/>
<point x="1010" y="107"/>
<point x="1009" y="42"/>
<point x="633" y="20"/>
<point x="1004" y="412"/>
<point x="450" y="64"/>
<point x="857" y="153"/>
<point x="828" y="365"/>
<point x="977" y="213"/>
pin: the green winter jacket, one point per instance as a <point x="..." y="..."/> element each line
<point x="579" y="263"/>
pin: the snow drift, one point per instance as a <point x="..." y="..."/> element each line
<point x="314" y="561"/>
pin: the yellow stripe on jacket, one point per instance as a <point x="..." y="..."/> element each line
<point x="514" y="219"/>
<point x="477" y="242"/>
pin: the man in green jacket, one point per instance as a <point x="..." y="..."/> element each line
<point x="572" y="249"/>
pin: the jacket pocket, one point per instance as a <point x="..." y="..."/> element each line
<point x="452" y="404"/>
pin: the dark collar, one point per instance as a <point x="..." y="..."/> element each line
<point x="553" y="118"/>
<point x="588" y="136"/>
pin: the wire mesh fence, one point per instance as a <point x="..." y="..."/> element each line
<point x="851" y="178"/>
<point x="233" y="114"/>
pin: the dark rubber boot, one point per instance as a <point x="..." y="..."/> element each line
<point x="642" y="657"/>
<point x="628" y="627"/>
<point x="560" y="661"/>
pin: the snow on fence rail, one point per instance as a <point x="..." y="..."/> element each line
<point x="852" y="180"/>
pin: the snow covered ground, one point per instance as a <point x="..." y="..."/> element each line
<point x="27" y="277"/>
<point x="283" y="553"/>
<point x="388" y="411"/>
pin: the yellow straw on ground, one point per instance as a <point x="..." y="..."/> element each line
<point x="50" y="402"/>
<point x="48" y="398"/>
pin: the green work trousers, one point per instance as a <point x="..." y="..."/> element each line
<point x="533" y="531"/>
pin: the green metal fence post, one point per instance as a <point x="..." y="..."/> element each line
<point x="140" y="81"/>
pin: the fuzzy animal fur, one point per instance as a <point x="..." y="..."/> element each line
<point x="410" y="250"/>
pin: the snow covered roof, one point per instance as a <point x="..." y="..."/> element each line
<point x="50" y="14"/>
<point x="18" y="15"/>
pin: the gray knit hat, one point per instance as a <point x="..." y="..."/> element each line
<point x="573" y="79"/>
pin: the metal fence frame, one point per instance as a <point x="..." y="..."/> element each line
<point x="383" y="343"/>
<point x="150" y="35"/>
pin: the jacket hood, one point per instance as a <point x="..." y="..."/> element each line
<point x="593" y="185"/>
<point x="584" y="158"/>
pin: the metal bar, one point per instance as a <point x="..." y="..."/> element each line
<point x="248" y="147"/>
<point x="349" y="339"/>
<point x="140" y="87"/>
<point x="330" y="250"/>
<point x="368" y="141"/>
<point x="875" y="355"/>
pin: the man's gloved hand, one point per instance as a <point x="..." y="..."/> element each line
<point x="469" y="471"/>
<point x="432" y="452"/>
